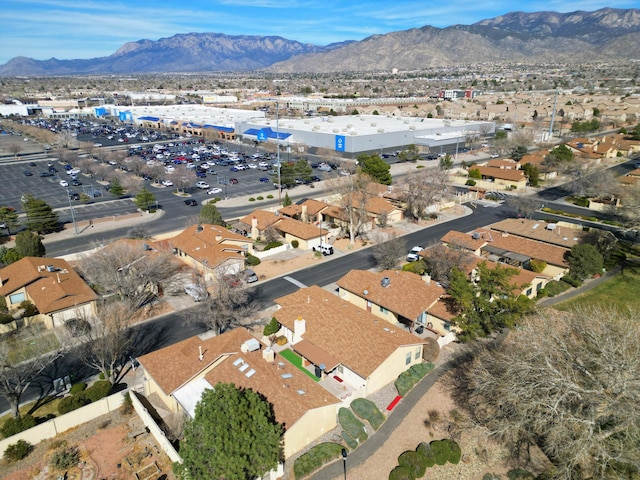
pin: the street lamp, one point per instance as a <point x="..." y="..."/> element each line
<point x="73" y="215"/>
<point x="344" y="462"/>
<point x="278" y="156"/>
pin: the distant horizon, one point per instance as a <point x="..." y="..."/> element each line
<point x="67" y="30"/>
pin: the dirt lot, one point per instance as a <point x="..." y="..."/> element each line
<point x="107" y="450"/>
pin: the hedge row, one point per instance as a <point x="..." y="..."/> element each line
<point x="315" y="458"/>
<point x="409" y="378"/>
<point x="368" y="411"/>
<point x="81" y="397"/>
<point x="351" y="425"/>
<point x="414" y="464"/>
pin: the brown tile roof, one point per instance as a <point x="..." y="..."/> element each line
<point x="552" y="254"/>
<point x="174" y="366"/>
<point x="264" y="218"/>
<point x="360" y="340"/>
<point x="49" y="291"/>
<point x="500" y="173"/>
<point x="538" y="230"/>
<point x="206" y="244"/>
<point x="314" y="206"/>
<point x="300" y="229"/>
<point x="463" y="240"/>
<point x="407" y="294"/>
<point x="520" y="281"/>
<point x="292" y="210"/>
<point x="506" y="164"/>
<point x="378" y="205"/>
<point x="442" y="309"/>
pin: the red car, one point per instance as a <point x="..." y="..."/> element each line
<point x="233" y="181"/>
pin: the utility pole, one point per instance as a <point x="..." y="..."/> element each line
<point x="553" y="116"/>
<point x="73" y="215"/>
<point x="278" y="157"/>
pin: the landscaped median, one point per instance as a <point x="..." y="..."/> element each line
<point x="351" y="420"/>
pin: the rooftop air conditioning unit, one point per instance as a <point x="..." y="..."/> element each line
<point x="475" y="236"/>
<point x="374" y="124"/>
<point x="381" y="130"/>
<point x="385" y="282"/>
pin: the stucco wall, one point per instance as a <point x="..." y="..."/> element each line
<point x="308" y="428"/>
<point x="392" y="367"/>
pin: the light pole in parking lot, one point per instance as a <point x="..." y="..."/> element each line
<point x="73" y="215"/>
<point x="278" y="157"/>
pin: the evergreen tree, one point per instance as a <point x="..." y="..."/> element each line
<point x="286" y="201"/>
<point x="375" y="167"/>
<point x="233" y="436"/>
<point x="584" y="261"/>
<point x="446" y="162"/>
<point x="116" y="189"/>
<point x="518" y="152"/>
<point x="9" y="218"/>
<point x="210" y="214"/>
<point x="40" y="216"/>
<point x="144" y="199"/>
<point x="488" y="302"/>
<point x="532" y="173"/>
<point x="29" y="244"/>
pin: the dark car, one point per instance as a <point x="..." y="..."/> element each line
<point x="201" y="175"/>
<point x="233" y="181"/>
<point x="33" y="164"/>
<point x="264" y="179"/>
<point x="53" y="169"/>
<point x="76" y="183"/>
<point x="27" y="173"/>
<point x="191" y="202"/>
<point x="315" y="178"/>
<point x="74" y="196"/>
<point x="46" y="174"/>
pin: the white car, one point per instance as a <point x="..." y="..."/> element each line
<point x="202" y="185"/>
<point x="414" y="254"/>
<point x="494" y="155"/>
<point x="196" y="292"/>
<point x="64" y="183"/>
<point x="263" y="164"/>
<point x="73" y="171"/>
<point x="167" y="183"/>
<point x="214" y="190"/>
<point x="252" y="166"/>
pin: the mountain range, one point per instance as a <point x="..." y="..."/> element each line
<point x="577" y="37"/>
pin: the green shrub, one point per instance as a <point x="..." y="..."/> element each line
<point x="98" y="390"/>
<point x="251" y="199"/>
<point x="425" y="450"/>
<point x="351" y="424"/>
<point x="413" y="461"/>
<point x="252" y="260"/>
<point x="574" y="282"/>
<point x="260" y="197"/>
<point x="72" y="402"/>
<point x="475" y="173"/>
<point x="537" y="266"/>
<point x="401" y="473"/>
<point x="271" y="245"/>
<point x="281" y="340"/>
<point x="520" y="474"/>
<point x="269" y="196"/>
<point x="554" y="288"/>
<point x="419" y="267"/>
<point x="16" y="425"/>
<point x="315" y="458"/>
<point x="29" y="309"/>
<point x="5" y="318"/>
<point x="419" y="370"/>
<point x="368" y="411"/>
<point x="349" y="440"/>
<point x="17" y="451"/>
<point x="446" y="450"/>
<point x="404" y="383"/>
<point x="77" y="388"/>
<point x="295" y="243"/>
<point x="271" y="328"/>
<point x="65" y="458"/>
<point x="470" y="182"/>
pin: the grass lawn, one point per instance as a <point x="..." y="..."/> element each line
<point x="620" y="291"/>
<point x="296" y="361"/>
<point x="30" y="344"/>
<point x="44" y="407"/>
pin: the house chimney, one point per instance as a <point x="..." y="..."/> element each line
<point x="269" y="355"/>
<point x="254" y="222"/>
<point x="299" y="327"/>
<point x="385" y="282"/>
<point x="427" y="278"/>
<point x="304" y="213"/>
<point x="199" y="228"/>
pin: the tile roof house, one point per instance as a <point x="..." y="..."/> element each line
<point x="563" y="234"/>
<point x="211" y="249"/>
<point x="56" y="290"/>
<point x="179" y="374"/>
<point x="502" y="176"/>
<point x="343" y="340"/>
<point x="306" y="234"/>
<point x="395" y="296"/>
<point x="525" y="282"/>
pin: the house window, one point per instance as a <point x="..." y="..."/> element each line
<point x="422" y="318"/>
<point x="408" y="359"/>
<point x="16" y="298"/>
<point x="417" y="354"/>
<point x="383" y="310"/>
<point x="529" y="292"/>
<point x="447" y="326"/>
<point x="538" y="287"/>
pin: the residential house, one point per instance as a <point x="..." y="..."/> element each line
<point x="56" y="290"/>
<point x="307" y="210"/>
<point x="258" y="221"/>
<point x="563" y="234"/>
<point x="508" y="178"/>
<point x="342" y="340"/>
<point x="306" y="234"/>
<point x="524" y="282"/>
<point x="211" y="249"/>
<point x="179" y="374"/>
<point x="400" y="298"/>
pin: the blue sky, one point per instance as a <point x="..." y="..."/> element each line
<point x="67" y="29"/>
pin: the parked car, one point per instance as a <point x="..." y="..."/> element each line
<point x="214" y="190"/>
<point x="233" y="181"/>
<point x="197" y="292"/>
<point x="264" y="180"/>
<point x="76" y="183"/>
<point x="64" y="183"/>
<point x="33" y="164"/>
<point x="167" y="183"/>
<point x="191" y="202"/>
<point x="413" y="254"/>
<point x="201" y="174"/>
<point x="249" y="276"/>
<point x="324" y="248"/>
<point x="202" y="185"/>
<point x="27" y="173"/>
<point x="46" y="174"/>
<point x="74" y="196"/>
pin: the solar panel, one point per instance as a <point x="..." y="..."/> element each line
<point x="244" y="367"/>
<point x="250" y="373"/>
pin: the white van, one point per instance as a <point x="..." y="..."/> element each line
<point x="325" y="248"/>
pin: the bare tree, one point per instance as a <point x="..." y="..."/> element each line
<point x="355" y="192"/>
<point x="440" y="259"/>
<point x="15" y="148"/>
<point x="574" y="391"/>
<point x="228" y="305"/>
<point x="421" y="190"/>
<point x="131" y="183"/>
<point x="387" y="253"/>
<point x="131" y="273"/>
<point x="18" y="369"/>
<point x="629" y="210"/>
<point x="524" y="205"/>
